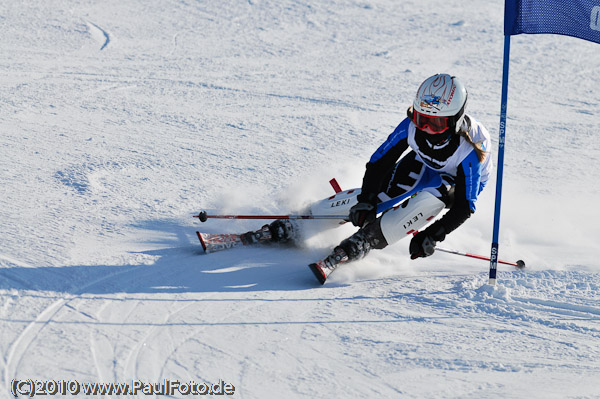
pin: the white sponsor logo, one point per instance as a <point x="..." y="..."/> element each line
<point x="339" y="203"/>
<point x="412" y="220"/>
<point x="595" y="18"/>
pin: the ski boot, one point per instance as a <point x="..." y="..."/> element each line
<point x="352" y="248"/>
<point x="323" y="268"/>
<point x="280" y="231"/>
<point x="258" y="236"/>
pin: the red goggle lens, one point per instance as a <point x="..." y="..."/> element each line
<point x="437" y="124"/>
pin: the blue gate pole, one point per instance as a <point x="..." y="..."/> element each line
<point x="500" y="165"/>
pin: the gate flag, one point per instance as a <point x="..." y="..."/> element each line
<point x="577" y="18"/>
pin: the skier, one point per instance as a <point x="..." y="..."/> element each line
<point x="437" y="158"/>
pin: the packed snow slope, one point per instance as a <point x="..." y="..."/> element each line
<point x="122" y="119"/>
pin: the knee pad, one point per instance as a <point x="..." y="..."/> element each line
<point x="410" y="216"/>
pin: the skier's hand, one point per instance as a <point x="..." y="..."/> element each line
<point x="423" y="243"/>
<point x="421" y="246"/>
<point x="362" y="213"/>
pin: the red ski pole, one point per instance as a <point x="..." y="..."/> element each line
<point x="518" y="264"/>
<point x="203" y="216"/>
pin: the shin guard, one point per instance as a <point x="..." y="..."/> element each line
<point x="412" y="215"/>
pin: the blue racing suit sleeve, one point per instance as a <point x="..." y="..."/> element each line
<point x="382" y="160"/>
<point x="472" y="176"/>
<point x="398" y="138"/>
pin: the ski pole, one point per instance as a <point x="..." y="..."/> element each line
<point x="518" y="264"/>
<point x="203" y="216"/>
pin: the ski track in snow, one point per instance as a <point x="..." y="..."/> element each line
<point x="407" y="302"/>
<point x="30" y="333"/>
<point x="122" y="119"/>
<point x="99" y="34"/>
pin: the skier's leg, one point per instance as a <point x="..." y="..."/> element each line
<point x="291" y="231"/>
<point x="411" y="216"/>
<point x="387" y="229"/>
<point x="409" y="174"/>
<point x="393" y="225"/>
<point x="355" y="247"/>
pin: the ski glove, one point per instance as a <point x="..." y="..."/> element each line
<point x="362" y="213"/>
<point x="423" y="243"/>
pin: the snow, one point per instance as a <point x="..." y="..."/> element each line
<point x="122" y="119"/>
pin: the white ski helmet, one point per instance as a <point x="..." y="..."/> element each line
<point x="440" y="104"/>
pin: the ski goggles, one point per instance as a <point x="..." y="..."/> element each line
<point x="436" y="124"/>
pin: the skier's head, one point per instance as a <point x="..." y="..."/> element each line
<point x="439" y="106"/>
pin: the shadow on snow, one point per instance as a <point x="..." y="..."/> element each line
<point x="180" y="269"/>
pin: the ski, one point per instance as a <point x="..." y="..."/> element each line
<point x="318" y="270"/>
<point x="323" y="268"/>
<point x="218" y="242"/>
<point x="214" y="242"/>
